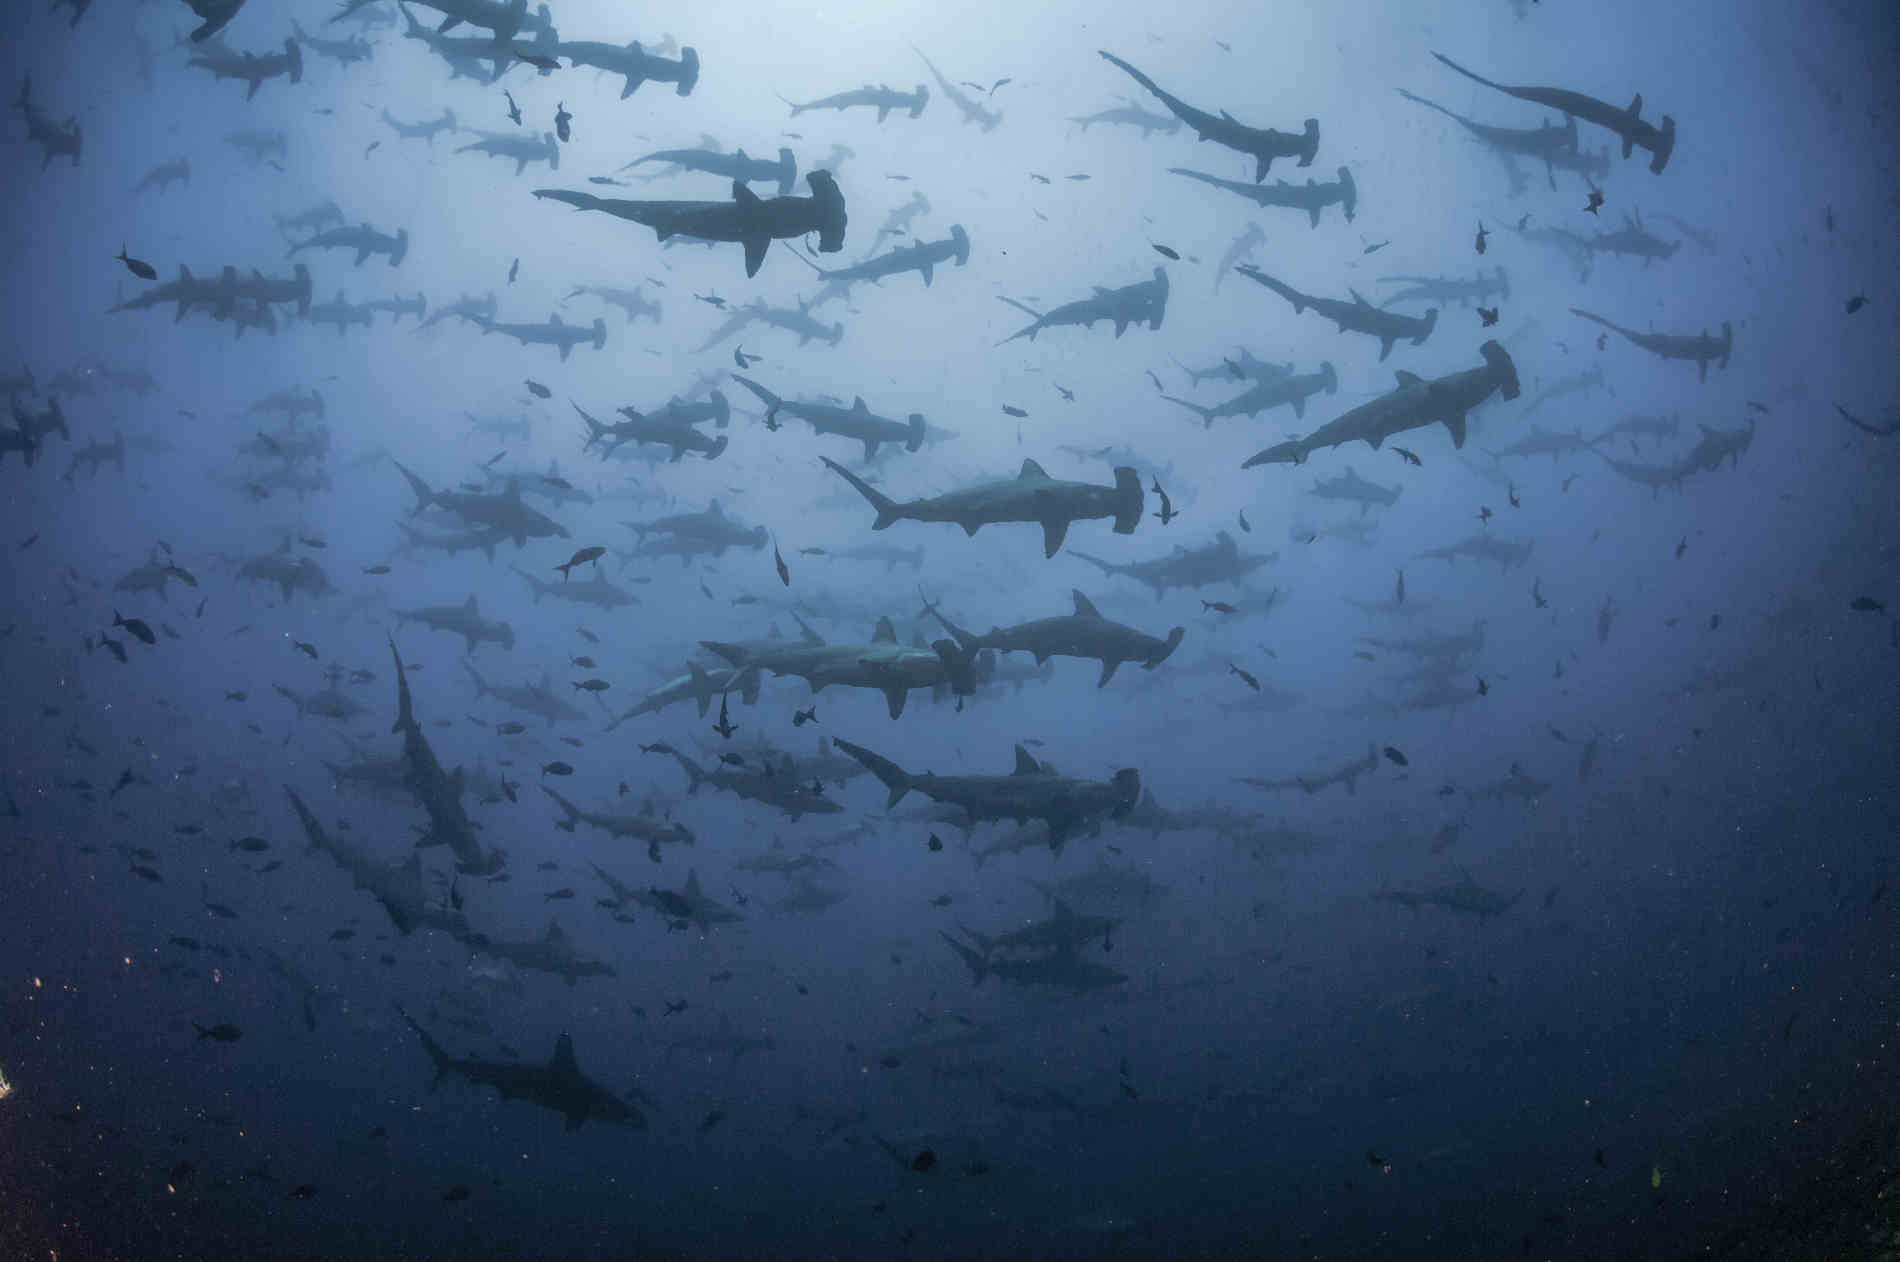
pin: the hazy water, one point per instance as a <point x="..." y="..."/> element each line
<point x="1670" y="1022"/>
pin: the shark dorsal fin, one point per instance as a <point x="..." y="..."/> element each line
<point x="1031" y="470"/>
<point x="1409" y="378"/>
<point x="857" y="405"/>
<point x="1357" y="296"/>
<point x="1026" y="765"/>
<point x="885" y="633"/>
<point x="691" y="889"/>
<point x="1063" y="910"/>
<point x="1084" y="607"/>
<point x="554" y="933"/>
<point x="744" y="196"/>
<point x="554" y="318"/>
<point x="469" y="606"/>
<point x="563" y="1059"/>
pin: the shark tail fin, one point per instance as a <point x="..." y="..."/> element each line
<point x="975" y="962"/>
<point x="423" y="494"/>
<point x="772" y="402"/>
<point x="888" y="510"/>
<point x="439" y="1057"/>
<point x="1128" y="500"/>
<point x="1205" y="413"/>
<point x="895" y="778"/>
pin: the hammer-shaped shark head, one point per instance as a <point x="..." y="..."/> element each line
<point x="824" y="189"/>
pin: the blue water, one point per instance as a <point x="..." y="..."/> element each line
<point x="1591" y="958"/>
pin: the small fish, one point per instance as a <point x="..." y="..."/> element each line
<point x="1484" y="513"/>
<point x="538" y="390"/>
<point x="1014" y="411"/>
<point x="585" y="663"/>
<point x="1853" y="304"/>
<point x="1364" y="656"/>
<point x="801" y="717"/>
<point x="784" y="575"/>
<point x="1595" y="203"/>
<point x="1481" y="238"/>
<point x="511" y="728"/>
<point x="136" y="627"/>
<point x="1867" y="604"/>
<point x="1410" y="457"/>
<point x="1375" y="247"/>
<point x="145" y="271"/>
<point x="1715" y="620"/>
<point x="1484" y="689"/>
<point x="223" y="1032"/>
<point x="456" y="1194"/>
<point x="1165" y="252"/>
<point x="514" y="269"/>
<point x="1067" y="395"/>
<point x="812" y="552"/>
<point x="582" y="557"/>
<point x="712" y="1119"/>
<point x="587" y="635"/>
<point x="742" y="359"/>
<point x="311" y="541"/>
<point x="250" y="845"/>
<point x="303" y="1191"/>
<point x="342" y="935"/>
<point x="561" y="120"/>
<point x="1397" y="759"/>
<point x="1247" y="679"/>
<point x="591" y="685"/>
<point x="605" y="179"/>
<point x="559" y="895"/>
<point x="556" y="769"/>
<point x="1246" y="529"/>
<point x="1682" y="547"/>
<point x="711" y="300"/>
<point x="1167" y="513"/>
<point x="309" y="650"/>
<point x="1217" y="606"/>
<point x="1487" y="316"/>
<point x="376" y="569"/>
<point x="1077" y="178"/>
<point x="1511" y="495"/>
<point x="514" y="111"/>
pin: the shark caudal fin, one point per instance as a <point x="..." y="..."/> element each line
<point x="772" y="402"/>
<point x="888" y="510"/>
<point x="570" y="811"/>
<point x="1205" y="413"/>
<point x="977" y="966"/>
<point x="895" y="778"/>
<point x="1128" y="500"/>
<point x="424" y="496"/>
<point x="439" y="1057"/>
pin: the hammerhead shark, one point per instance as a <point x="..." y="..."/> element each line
<point x="855" y="422"/>
<point x="972" y="112"/>
<point x="734" y="166"/>
<point x="1312" y="197"/>
<point x="1699" y="348"/>
<point x="1415" y="403"/>
<point x="1031" y="496"/>
<point x="1542" y="142"/>
<point x="364" y="239"/>
<point x="554" y="333"/>
<point x="1131" y="304"/>
<point x="1129" y="115"/>
<point x="1031" y="791"/>
<point x="252" y="68"/>
<point x="921" y="257"/>
<point x="1263" y="145"/>
<point x="747" y="219"/>
<point x="558" y="1085"/>
<point x="1291" y="389"/>
<point x="1358" y="316"/>
<point x="882" y="98"/>
<point x="422" y="131"/>
<point x="55" y="139"/>
<point x="520" y="149"/>
<point x="1084" y="633"/>
<point x="1628" y="124"/>
<point x="634" y="63"/>
<point x="1218" y="562"/>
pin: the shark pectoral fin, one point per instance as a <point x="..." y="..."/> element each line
<point x="565" y="348"/>
<point x="1054" y="531"/>
<point x="926" y="270"/>
<point x="1109" y="666"/>
<point x="1121" y="327"/>
<point x="894" y="697"/>
<point x="755" y="253"/>
<point x="1385" y="348"/>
